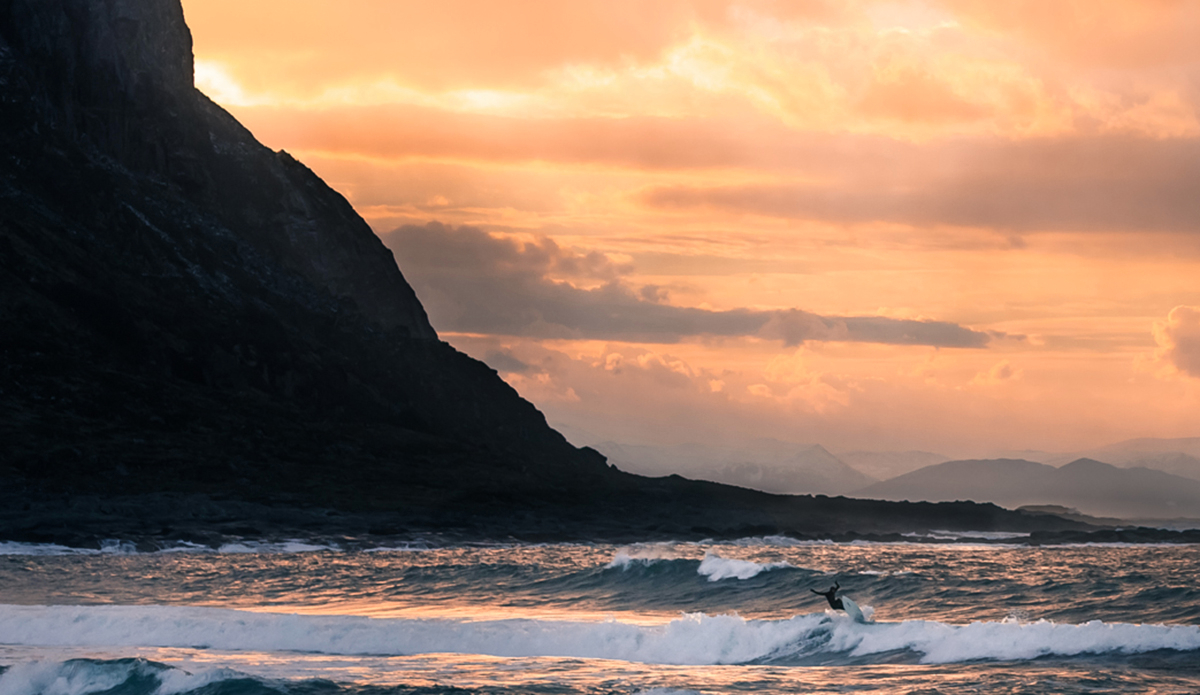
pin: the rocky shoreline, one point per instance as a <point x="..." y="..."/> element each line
<point x="155" y="521"/>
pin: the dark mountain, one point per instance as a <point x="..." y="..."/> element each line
<point x="185" y="309"/>
<point x="1090" y="486"/>
<point x="202" y="339"/>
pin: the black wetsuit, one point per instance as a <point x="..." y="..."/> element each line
<point x="831" y="596"/>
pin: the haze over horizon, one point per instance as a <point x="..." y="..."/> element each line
<point x="949" y="226"/>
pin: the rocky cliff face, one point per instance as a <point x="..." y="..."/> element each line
<point x="185" y="309"/>
<point x="116" y="78"/>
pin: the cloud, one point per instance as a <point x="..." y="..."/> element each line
<point x="794" y="327"/>
<point x="1000" y="373"/>
<point x="1111" y="183"/>
<point x="505" y="362"/>
<point x="915" y="95"/>
<point x="833" y="69"/>
<point x="473" y="282"/>
<point x="791" y="380"/>
<point x="739" y="391"/>
<point x="1120" y="33"/>
<point x="399" y="131"/>
<point x="306" y="46"/>
<point x="1178" y="340"/>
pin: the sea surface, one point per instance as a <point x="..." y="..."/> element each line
<point x="706" y="617"/>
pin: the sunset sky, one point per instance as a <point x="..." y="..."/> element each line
<point x="961" y="226"/>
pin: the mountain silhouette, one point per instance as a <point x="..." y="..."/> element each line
<point x="1092" y="487"/>
<point x="1176" y="456"/>
<point x="186" y="310"/>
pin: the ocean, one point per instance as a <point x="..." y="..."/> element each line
<point x="972" y="616"/>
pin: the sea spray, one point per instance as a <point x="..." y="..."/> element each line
<point x="717" y="568"/>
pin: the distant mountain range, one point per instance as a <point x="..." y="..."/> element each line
<point x="1090" y="486"/>
<point x="771" y="466"/>
<point x="1179" y="456"/>
<point x="1148" y="479"/>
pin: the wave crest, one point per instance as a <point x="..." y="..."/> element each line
<point x="84" y="676"/>
<point x="717" y="568"/>
<point x="689" y="639"/>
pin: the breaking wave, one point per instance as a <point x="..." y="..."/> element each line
<point x="717" y="568"/>
<point x="690" y="639"/>
<point x="713" y="566"/>
<point x="83" y="676"/>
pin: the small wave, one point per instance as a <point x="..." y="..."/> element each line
<point x="713" y="566"/>
<point x="85" y="676"/>
<point x="717" y="568"/>
<point x="14" y="548"/>
<point x="886" y="573"/>
<point x="646" y="554"/>
<point x="107" y="547"/>
<point x="689" y="639"/>
<point x="1113" y="545"/>
<point x="957" y="535"/>
<point x="1014" y="641"/>
<point x="775" y="542"/>
<point x="409" y="547"/>
<point x="275" y="547"/>
<point x="120" y="547"/>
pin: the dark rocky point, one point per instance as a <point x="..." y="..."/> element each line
<point x="201" y="340"/>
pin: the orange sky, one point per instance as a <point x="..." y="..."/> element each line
<point x="959" y="226"/>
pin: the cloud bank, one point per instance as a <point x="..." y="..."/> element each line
<point x="473" y="282"/>
<point x="1092" y="184"/>
<point x="1178" y="340"/>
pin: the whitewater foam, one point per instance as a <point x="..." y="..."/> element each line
<point x="119" y="547"/>
<point x="644" y="554"/>
<point x="1011" y="640"/>
<point x="174" y="681"/>
<point x="712" y="566"/>
<point x="85" y="676"/>
<point x="14" y="548"/>
<point x="107" y="547"/>
<point x="689" y="639"/>
<point x="279" y="547"/>
<point x="76" y="677"/>
<point x="774" y="541"/>
<point x="956" y="535"/>
<point x="717" y="568"/>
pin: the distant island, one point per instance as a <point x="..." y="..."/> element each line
<point x="203" y="341"/>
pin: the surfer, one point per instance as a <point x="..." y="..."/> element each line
<point x="831" y="596"/>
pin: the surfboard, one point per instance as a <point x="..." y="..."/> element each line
<point x="853" y="610"/>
